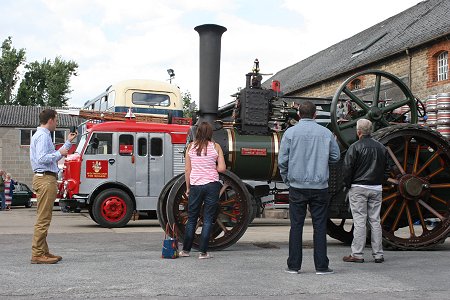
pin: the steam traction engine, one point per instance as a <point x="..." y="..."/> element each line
<point x="416" y="199"/>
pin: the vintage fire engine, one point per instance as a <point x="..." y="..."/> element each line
<point x="120" y="167"/>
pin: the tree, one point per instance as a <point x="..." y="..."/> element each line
<point x="188" y="106"/>
<point x="10" y="61"/>
<point x="46" y="83"/>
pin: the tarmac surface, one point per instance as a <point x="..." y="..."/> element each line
<point x="124" y="263"/>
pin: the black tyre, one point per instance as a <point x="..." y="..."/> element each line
<point x="162" y="201"/>
<point x="233" y="212"/>
<point x="112" y="208"/>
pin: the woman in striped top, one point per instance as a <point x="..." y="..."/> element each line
<point x="204" y="159"/>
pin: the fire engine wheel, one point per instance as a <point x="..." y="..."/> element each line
<point x="161" y="210"/>
<point x="91" y="213"/>
<point x="112" y="208"/>
<point x="233" y="214"/>
<point x="369" y="106"/>
<point x="415" y="211"/>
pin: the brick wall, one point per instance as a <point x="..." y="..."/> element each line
<point x="15" y="159"/>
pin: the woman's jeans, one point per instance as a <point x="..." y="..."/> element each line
<point x="207" y="194"/>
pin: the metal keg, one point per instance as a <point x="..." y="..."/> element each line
<point x="443" y="101"/>
<point x="443" y="117"/>
<point x="431" y="103"/>
<point x="444" y="130"/>
<point x="432" y="117"/>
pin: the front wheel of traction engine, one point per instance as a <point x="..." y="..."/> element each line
<point x="112" y="208"/>
<point x="233" y="214"/>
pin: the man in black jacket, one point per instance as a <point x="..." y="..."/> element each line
<point x="366" y="167"/>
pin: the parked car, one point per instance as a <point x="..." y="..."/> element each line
<point x="22" y="195"/>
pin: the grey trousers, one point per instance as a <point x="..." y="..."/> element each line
<point x="366" y="205"/>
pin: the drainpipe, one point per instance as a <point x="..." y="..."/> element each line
<point x="410" y="69"/>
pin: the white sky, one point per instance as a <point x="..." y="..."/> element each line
<point x="114" y="40"/>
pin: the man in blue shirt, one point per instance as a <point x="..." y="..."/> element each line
<point x="44" y="162"/>
<point x="306" y="149"/>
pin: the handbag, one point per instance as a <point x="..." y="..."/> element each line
<point x="170" y="243"/>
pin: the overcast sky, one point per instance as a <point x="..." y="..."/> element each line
<point x="113" y="40"/>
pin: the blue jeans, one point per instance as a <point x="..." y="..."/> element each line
<point x="2" y="196"/>
<point x="318" y="201"/>
<point x="207" y="194"/>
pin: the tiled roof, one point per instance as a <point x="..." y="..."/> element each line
<point x="28" y="116"/>
<point x="415" y="26"/>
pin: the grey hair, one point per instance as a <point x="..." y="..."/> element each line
<point x="8" y="174"/>
<point x="364" y="126"/>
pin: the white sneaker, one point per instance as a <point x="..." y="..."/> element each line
<point x="204" y="256"/>
<point x="183" y="253"/>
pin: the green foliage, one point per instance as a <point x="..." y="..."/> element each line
<point x="10" y="61"/>
<point x="188" y="106"/>
<point x="45" y="83"/>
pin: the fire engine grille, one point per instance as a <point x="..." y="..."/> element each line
<point x="178" y="159"/>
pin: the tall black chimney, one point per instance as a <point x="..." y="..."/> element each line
<point x="210" y="38"/>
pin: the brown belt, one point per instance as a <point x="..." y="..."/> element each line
<point x="48" y="173"/>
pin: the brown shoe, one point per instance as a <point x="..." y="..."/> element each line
<point x="351" y="258"/>
<point x="43" y="259"/>
<point x="54" y="256"/>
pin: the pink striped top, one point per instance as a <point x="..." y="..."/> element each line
<point x="203" y="168"/>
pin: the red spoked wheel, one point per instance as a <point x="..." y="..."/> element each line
<point x="112" y="208"/>
<point x="416" y="202"/>
<point x="233" y="215"/>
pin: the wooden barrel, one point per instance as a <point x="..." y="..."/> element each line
<point x="444" y="130"/>
<point x="443" y="117"/>
<point x="432" y="117"/>
<point x="443" y="101"/>
<point x="431" y="103"/>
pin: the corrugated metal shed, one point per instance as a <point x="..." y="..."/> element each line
<point x="28" y="116"/>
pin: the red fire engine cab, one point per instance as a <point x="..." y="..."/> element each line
<point x="120" y="167"/>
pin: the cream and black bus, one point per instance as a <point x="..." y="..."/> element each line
<point x="143" y="96"/>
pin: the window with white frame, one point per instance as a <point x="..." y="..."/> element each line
<point x="442" y="66"/>
<point x="58" y="136"/>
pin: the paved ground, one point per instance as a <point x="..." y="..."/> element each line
<point x="125" y="263"/>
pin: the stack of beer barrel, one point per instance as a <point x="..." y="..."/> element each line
<point x="438" y="112"/>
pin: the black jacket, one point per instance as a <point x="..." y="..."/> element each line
<point x="366" y="162"/>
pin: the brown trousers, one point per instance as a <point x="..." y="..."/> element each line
<point x="45" y="187"/>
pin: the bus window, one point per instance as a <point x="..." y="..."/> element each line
<point x="104" y="144"/>
<point x="103" y="103"/>
<point x="150" y="99"/>
<point x="126" y="144"/>
<point x="111" y="100"/>
<point x="97" y="105"/>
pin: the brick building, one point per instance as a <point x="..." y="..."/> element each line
<point x="413" y="45"/>
<point x="17" y="124"/>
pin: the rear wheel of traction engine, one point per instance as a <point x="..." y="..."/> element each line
<point x="348" y="106"/>
<point x="233" y="215"/>
<point x="112" y="208"/>
<point x="161" y="210"/>
<point x="415" y="211"/>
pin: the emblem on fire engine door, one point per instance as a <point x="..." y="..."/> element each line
<point x="96" y="169"/>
